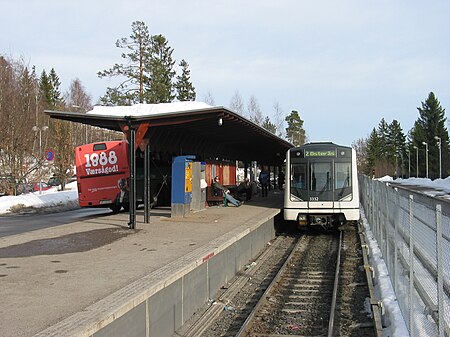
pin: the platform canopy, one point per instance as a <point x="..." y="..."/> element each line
<point x="184" y="128"/>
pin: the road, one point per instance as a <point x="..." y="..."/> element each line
<point x="17" y="224"/>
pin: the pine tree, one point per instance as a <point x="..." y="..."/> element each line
<point x="373" y="154"/>
<point x="431" y="124"/>
<point x="383" y="161"/>
<point x="61" y="131"/>
<point x="294" y="131"/>
<point x="185" y="89"/>
<point x="161" y="71"/>
<point x="396" y="147"/>
<point x="269" y="126"/>
<point x="135" y="72"/>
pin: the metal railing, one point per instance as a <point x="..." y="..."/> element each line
<point x="413" y="234"/>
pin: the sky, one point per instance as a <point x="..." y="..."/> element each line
<point x="344" y="65"/>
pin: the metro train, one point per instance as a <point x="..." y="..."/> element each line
<point x="321" y="187"/>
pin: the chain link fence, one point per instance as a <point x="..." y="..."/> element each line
<point x="413" y="234"/>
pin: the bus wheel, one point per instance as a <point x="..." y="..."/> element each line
<point x="115" y="208"/>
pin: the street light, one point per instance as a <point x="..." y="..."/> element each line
<point x="36" y="128"/>
<point x="440" y="155"/>
<point x="409" y="162"/>
<point x="417" y="161"/>
<point x="426" y="157"/>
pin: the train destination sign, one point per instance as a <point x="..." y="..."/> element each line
<point x="327" y="153"/>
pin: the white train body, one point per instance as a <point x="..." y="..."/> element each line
<point x="321" y="185"/>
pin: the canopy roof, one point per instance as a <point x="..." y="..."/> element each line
<point x="183" y="128"/>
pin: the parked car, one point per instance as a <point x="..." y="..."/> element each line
<point x="54" y="181"/>
<point x="40" y="186"/>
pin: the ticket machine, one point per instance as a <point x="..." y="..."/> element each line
<point x="181" y="185"/>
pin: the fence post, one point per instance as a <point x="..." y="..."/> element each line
<point x="411" y="267"/>
<point x="397" y="219"/>
<point x="440" y="281"/>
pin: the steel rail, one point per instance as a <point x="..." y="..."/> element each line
<point x="335" y="288"/>
<point x="243" y="331"/>
<point x="205" y="320"/>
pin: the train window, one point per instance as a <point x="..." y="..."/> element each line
<point x="343" y="176"/>
<point x="298" y="182"/>
<point x="320" y="177"/>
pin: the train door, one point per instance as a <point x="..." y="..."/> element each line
<point x="320" y="183"/>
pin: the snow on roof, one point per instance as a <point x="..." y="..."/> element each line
<point x="148" y="109"/>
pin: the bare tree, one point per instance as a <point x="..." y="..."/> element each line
<point x="254" y="111"/>
<point x="279" y="119"/>
<point x="18" y="106"/>
<point x="236" y="104"/>
<point x="77" y="99"/>
<point x="209" y="98"/>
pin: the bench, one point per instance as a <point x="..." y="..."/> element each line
<point x="213" y="199"/>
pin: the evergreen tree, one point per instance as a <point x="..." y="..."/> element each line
<point x="61" y="131"/>
<point x="294" y="131"/>
<point x="45" y="89"/>
<point x="269" y="126"/>
<point x="383" y="161"/>
<point x="56" y="99"/>
<point x="431" y="124"/>
<point x="135" y="72"/>
<point x="373" y="154"/>
<point x="396" y="147"/>
<point x="161" y="71"/>
<point x="185" y="89"/>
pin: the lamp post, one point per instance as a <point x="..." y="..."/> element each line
<point x="417" y="161"/>
<point x="426" y="157"/>
<point x="36" y="128"/>
<point x="440" y="155"/>
<point x="409" y="162"/>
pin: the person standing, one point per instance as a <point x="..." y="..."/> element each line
<point x="280" y="180"/>
<point x="264" y="181"/>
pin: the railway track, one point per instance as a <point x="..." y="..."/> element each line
<point x="314" y="285"/>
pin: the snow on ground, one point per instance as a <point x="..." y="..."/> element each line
<point x="438" y="187"/>
<point x="47" y="199"/>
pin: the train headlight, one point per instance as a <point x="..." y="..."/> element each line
<point x="302" y="219"/>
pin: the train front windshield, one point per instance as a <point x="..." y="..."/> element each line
<point x="320" y="179"/>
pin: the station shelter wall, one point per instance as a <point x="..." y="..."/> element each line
<point x="225" y="170"/>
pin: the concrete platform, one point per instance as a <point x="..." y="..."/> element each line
<point x="98" y="278"/>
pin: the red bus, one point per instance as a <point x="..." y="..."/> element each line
<point x="102" y="174"/>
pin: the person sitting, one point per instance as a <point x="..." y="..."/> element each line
<point x="219" y="188"/>
<point x="245" y="188"/>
